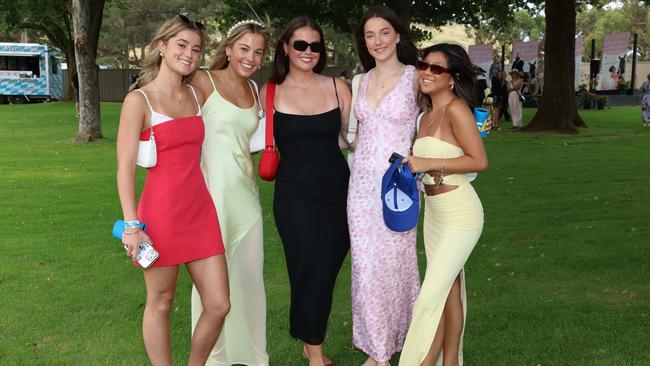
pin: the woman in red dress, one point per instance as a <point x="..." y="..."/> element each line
<point x="175" y="204"/>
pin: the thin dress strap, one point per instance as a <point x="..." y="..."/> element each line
<point x="336" y="91"/>
<point x="214" y="87"/>
<point x="146" y="99"/>
<point x="197" y="100"/>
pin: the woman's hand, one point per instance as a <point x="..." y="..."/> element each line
<point x="488" y="123"/>
<point x="132" y="240"/>
<point x="416" y="164"/>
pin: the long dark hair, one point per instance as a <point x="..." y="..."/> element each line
<point x="407" y="53"/>
<point x="281" y="60"/>
<point x="461" y="70"/>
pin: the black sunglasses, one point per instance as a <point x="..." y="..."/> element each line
<point x="301" y="45"/>
<point x="435" y="69"/>
<point x="186" y="20"/>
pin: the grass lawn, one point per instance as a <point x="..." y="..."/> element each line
<point x="561" y="275"/>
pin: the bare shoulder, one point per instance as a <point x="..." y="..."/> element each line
<point x="134" y="100"/>
<point x="342" y="86"/>
<point x="200" y="78"/>
<point x="134" y="108"/>
<point x="201" y="81"/>
<point x="459" y="113"/>
<point x="263" y="96"/>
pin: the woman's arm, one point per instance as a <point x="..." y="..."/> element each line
<point x="468" y="138"/>
<point x="132" y="120"/>
<point x="345" y="100"/>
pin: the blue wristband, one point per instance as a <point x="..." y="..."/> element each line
<point x="118" y="229"/>
<point x="131" y="224"/>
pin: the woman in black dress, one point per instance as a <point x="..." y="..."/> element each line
<point x="312" y="182"/>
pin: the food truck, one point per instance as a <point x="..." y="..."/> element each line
<point x="29" y="71"/>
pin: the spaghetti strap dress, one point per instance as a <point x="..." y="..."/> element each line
<point x="453" y="222"/>
<point x="385" y="277"/>
<point x="310" y="213"/>
<point x="175" y="204"/>
<point x="228" y="170"/>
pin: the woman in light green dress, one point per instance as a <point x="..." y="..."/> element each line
<point x="231" y="114"/>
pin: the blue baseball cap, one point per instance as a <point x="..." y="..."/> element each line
<point x="400" y="198"/>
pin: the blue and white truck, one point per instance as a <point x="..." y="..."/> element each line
<point x="29" y="71"/>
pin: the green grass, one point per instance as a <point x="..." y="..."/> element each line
<point x="560" y="276"/>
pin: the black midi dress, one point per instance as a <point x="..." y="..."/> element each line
<point x="310" y="213"/>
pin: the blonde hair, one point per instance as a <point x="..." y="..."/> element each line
<point x="221" y="59"/>
<point x="152" y="59"/>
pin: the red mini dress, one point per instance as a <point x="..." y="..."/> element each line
<point x="175" y="203"/>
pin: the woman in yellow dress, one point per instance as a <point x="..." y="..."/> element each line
<point x="447" y="148"/>
<point x="231" y="113"/>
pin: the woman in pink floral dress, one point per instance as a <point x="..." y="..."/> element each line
<point x="385" y="277"/>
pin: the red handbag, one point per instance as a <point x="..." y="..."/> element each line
<point x="270" y="159"/>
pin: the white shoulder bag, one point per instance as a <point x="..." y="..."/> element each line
<point x="257" y="141"/>
<point x="147" y="156"/>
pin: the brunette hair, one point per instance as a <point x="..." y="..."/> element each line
<point x="407" y="53"/>
<point x="152" y="59"/>
<point x="281" y="59"/>
<point x="221" y="59"/>
<point x="461" y="70"/>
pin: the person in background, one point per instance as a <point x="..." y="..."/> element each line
<point x="447" y="148"/>
<point x="514" y="103"/>
<point x="613" y="78"/>
<point x="310" y="119"/>
<point x="182" y="222"/>
<point x="645" y="102"/>
<point x="518" y="64"/>
<point x="231" y="113"/>
<point x="385" y="276"/>
<point x="499" y="95"/>
<point x="495" y="68"/>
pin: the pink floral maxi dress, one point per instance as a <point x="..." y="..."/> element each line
<point x="385" y="277"/>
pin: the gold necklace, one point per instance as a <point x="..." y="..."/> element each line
<point x="379" y="77"/>
<point x="303" y="88"/>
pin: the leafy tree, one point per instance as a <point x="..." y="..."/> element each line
<point x="525" y="25"/>
<point x="129" y="26"/>
<point x="596" y="23"/>
<point x="50" y="18"/>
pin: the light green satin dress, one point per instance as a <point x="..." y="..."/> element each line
<point x="229" y="173"/>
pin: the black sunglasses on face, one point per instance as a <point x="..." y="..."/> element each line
<point x="435" y="69"/>
<point x="186" y="20"/>
<point x="301" y="45"/>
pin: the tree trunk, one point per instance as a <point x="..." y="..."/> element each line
<point x="84" y="12"/>
<point x="557" y="110"/>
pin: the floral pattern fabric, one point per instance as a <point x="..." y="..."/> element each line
<point x="385" y="277"/>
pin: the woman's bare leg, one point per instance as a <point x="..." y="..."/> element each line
<point x="210" y="276"/>
<point x="161" y="286"/>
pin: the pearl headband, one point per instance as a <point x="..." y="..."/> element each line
<point x="243" y="22"/>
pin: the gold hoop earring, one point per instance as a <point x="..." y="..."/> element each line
<point x="451" y="87"/>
